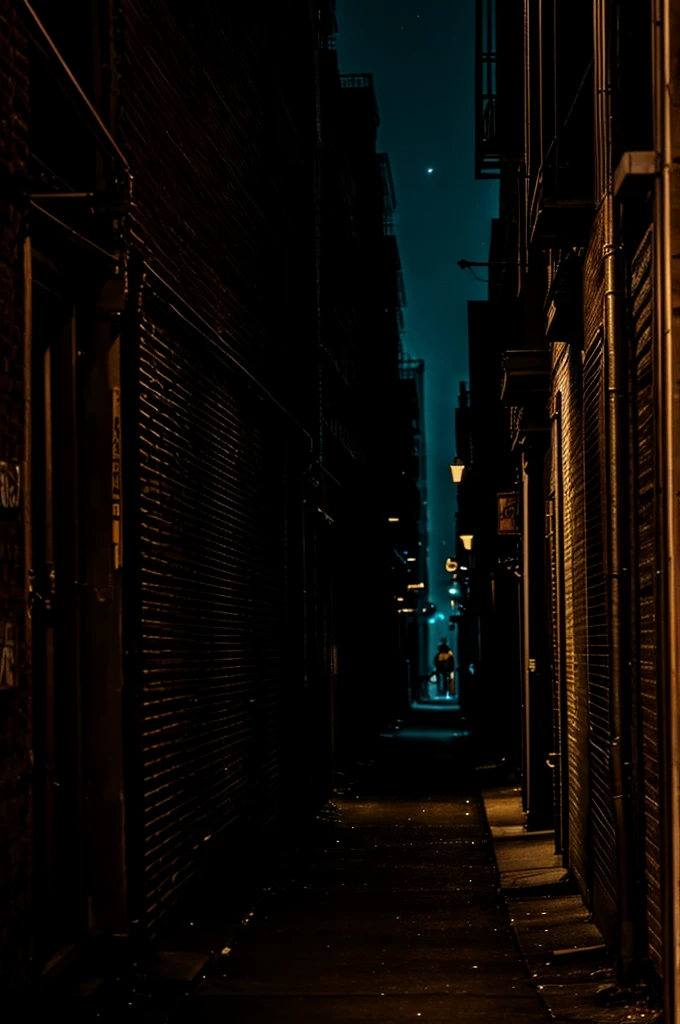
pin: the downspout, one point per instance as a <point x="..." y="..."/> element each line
<point x="616" y="434"/>
<point x="668" y="367"/>
<point x="526" y="637"/>
<point x="619" y="576"/>
<point x="27" y="467"/>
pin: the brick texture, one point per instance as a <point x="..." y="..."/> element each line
<point x="15" y="694"/>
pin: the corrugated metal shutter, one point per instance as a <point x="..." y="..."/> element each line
<point x="212" y="542"/>
<point x="602" y="819"/>
<point x="646" y="557"/>
<point x="555" y="647"/>
<point x="570" y="491"/>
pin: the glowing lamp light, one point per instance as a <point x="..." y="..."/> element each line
<point x="415" y="586"/>
<point x="393" y="519"/>
<point x="457" y="468"/>
<point x="411" y="559"/>
<point x="466" y="538"/>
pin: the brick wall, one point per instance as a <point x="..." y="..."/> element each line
<point x="15" y="710"/>
<point x="221" y="151"/>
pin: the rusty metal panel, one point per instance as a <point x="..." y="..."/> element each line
<point x="646" y="639"/>
<point x="212" y="541"/>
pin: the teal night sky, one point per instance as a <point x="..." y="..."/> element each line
<point x="421" y="54"/>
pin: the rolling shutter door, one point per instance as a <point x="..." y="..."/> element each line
<point x="645" y="605"/>
<point x="555" y="650"/>
<point x="211" y="646"/>
<point x="570" y="519"/>
<point x="602" y="820"/>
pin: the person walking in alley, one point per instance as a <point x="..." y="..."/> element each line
<point x="444" y="665"/>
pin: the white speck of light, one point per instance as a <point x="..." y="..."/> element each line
<point x="430" y="170"/>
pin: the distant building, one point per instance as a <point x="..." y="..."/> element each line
<point x="410" y="566"/>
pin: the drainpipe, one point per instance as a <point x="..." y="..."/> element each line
<point x="616" y="434"/>
<point x="619" y="577"/>
<point x="27" y="467"/>
<point x="664" y="34"/>
<point x="525" y="607"/>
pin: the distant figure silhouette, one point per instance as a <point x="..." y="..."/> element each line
<point x="444" y="664"/>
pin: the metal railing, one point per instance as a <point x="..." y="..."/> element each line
<point x="487" y="157"/>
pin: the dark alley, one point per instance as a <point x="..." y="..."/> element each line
<point x="392" y="914"/>
<point x="339" y="531"/>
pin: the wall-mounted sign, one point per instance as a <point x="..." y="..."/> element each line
<point x="508" y="513"/>
<point x="8" y="678"/>
<point x="10" y="485"/>
<point x="451" y="565"/>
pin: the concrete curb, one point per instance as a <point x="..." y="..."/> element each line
<point x="562" y="948"/>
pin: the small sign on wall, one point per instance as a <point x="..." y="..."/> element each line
<point x="10" y="485"/>
<point x="508" y="513"/>
<point x="8" y="679"/>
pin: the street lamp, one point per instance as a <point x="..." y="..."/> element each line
<point x="467" y="541"/>
<point x="457" y="468"/>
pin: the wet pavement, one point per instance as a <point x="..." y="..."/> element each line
<point x="393" y="916"/>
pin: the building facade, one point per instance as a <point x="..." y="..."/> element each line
<point x="575" y="116"/>
<point x="190" y="485"/>
<point x="410" y="554"/>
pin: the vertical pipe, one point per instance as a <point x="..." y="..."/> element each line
<point x="616" y="434"/>
<point x="27" y="511"/>
<point x="28" y="433"/>
<point x="524" y="185"/>
<point x="560" y="586"/>
<point x="541" y="87"/>
<point x="669" y="371"/>
<point x="618" y="583"/>
<point x="526" y="675"/>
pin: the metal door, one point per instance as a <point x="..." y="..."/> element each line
<point x="55" y="608"/>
